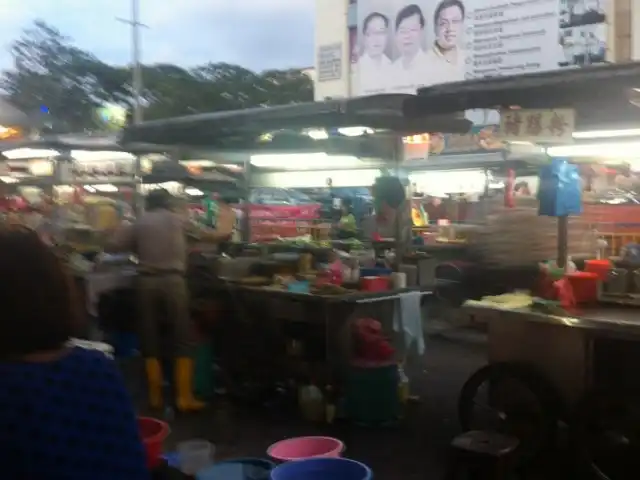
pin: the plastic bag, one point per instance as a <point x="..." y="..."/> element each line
<point x="560" y="191"/>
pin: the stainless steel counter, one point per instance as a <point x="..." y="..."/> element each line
<point x="559" y="347"/>
<point x="604" y="320"/>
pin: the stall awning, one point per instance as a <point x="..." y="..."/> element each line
<point x="81" y="142"/>
<point x="599" y="94"/>
<point x="11" y="116"/>
<point x="241" y="129"/>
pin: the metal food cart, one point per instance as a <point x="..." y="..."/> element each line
<point x="570" y="369"/>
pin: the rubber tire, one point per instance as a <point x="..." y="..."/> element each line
<point x="578" y="432"/>
<point x="546" y="393"/>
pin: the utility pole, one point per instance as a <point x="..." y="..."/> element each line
<point x="136" y="67"/>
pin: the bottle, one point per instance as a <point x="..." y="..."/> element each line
<point x="311" y="403"/>
<point x="403" y="385"/>
<point x="330" y="404"/>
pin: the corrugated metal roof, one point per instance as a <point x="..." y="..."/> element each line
<point x="241" y="128"/>
<point x="599" y="84"/>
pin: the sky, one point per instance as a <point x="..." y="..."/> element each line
<point x="256" y="34"/>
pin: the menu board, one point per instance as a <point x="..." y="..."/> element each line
<point x="101" y="171"/>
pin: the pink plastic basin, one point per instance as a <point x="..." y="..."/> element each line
<point x="300" y="448"/>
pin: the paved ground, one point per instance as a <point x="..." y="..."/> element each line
<point x="412" y="450"/>
<point x="416" y="449"/>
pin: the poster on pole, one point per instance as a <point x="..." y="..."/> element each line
<point x="404" y="45"/>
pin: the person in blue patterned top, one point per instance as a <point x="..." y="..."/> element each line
<point x="65" y="413"/>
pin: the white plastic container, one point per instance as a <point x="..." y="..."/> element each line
<point x="195" y="455"/>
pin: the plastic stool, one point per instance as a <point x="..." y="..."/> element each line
<point x="482" y="455"/>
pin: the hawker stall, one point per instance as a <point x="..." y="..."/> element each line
<point x="562" y="348"/>
<point x="310" y="311"/>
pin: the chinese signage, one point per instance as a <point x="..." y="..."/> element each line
<point x="407" y="44"/>
<point x="544" y="126"/>
<point x="482" y="138"/>
<point x="329" y="62"/>
<point x="102" y="171"/>
<point x="416" y="147"/>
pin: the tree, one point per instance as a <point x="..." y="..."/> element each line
<point x="53" y="78"/>
<point x="51" y="73"/>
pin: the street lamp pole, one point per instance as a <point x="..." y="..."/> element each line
<point x="136" y="68"/>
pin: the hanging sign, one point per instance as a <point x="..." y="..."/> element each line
<point x="103" y="171"/>
<point x="538" y="126"/>
<point x="416" y="147"/>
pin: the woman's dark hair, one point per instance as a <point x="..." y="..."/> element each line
<point x="369" y="18"/>
<point x="444" y="5"/>
<point x="39" y="309"/>
<point x="408" y="12"/>
<point x="158" y="199"/>
<point x="390" y="191"/>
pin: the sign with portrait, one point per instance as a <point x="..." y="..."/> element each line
<point x="544" y="126"/>
<point x="404" y="45"/>
<point x="330" y="62"/>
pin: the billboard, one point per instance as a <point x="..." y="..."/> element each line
<point x="404" y="45"/>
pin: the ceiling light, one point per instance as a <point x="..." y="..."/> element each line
<point x="193" y="191"/>
<point x="604" y="150"/>
<point x="24" y="153"/>
<point x="355" y="131"/>
<point x="318" y="134"/>
<point x="629" y="132"/>
<point x="304" y="161"/>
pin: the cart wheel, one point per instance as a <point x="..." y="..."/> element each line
<point x="605" y="433"/>
<point x="514" y="400"/>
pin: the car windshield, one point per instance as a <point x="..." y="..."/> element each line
<point x="300" y="197"/>
<point x="352" y="191"/>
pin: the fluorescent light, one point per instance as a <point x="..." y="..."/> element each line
<point x="193" y="192"/>
<point x="23" y="153"/>
<point x="630" y="132"/>
<point x="197" y="163"/>
<point x="90" y="189"/>
<point x="355" y="131"/>
<point x="318" y="134"/>
<point x="9" y="180"/>
<point x="605" y="150"/>
<point x="304" y="161"/>
<point x="108" y="188"/>
<point x="97" y="156"/>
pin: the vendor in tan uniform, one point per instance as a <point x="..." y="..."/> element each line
<point x="159" y="238"/>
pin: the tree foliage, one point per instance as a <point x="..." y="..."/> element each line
<point x="50" y="71"/>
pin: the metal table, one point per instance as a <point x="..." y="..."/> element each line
<point x="594" y="347"/>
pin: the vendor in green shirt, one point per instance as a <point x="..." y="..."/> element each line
<point x="347" y="225"/>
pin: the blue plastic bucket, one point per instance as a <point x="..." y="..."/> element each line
<point x="322" y="469"/>
<point x="238" y="469"/>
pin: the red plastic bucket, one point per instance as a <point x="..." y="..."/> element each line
<point x="153" y="433"/>
<point x="585" y="286"/>
<point x="599" y="267"/>
<point x="300" y="448"/>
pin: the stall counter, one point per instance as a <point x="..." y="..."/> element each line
<point x="561" y="347"/>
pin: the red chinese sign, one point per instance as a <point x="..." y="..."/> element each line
<point x="545" y="126"/>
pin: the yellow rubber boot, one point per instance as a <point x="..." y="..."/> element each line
<point x="154" y="382"/>
<point x="186" y="401"/>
